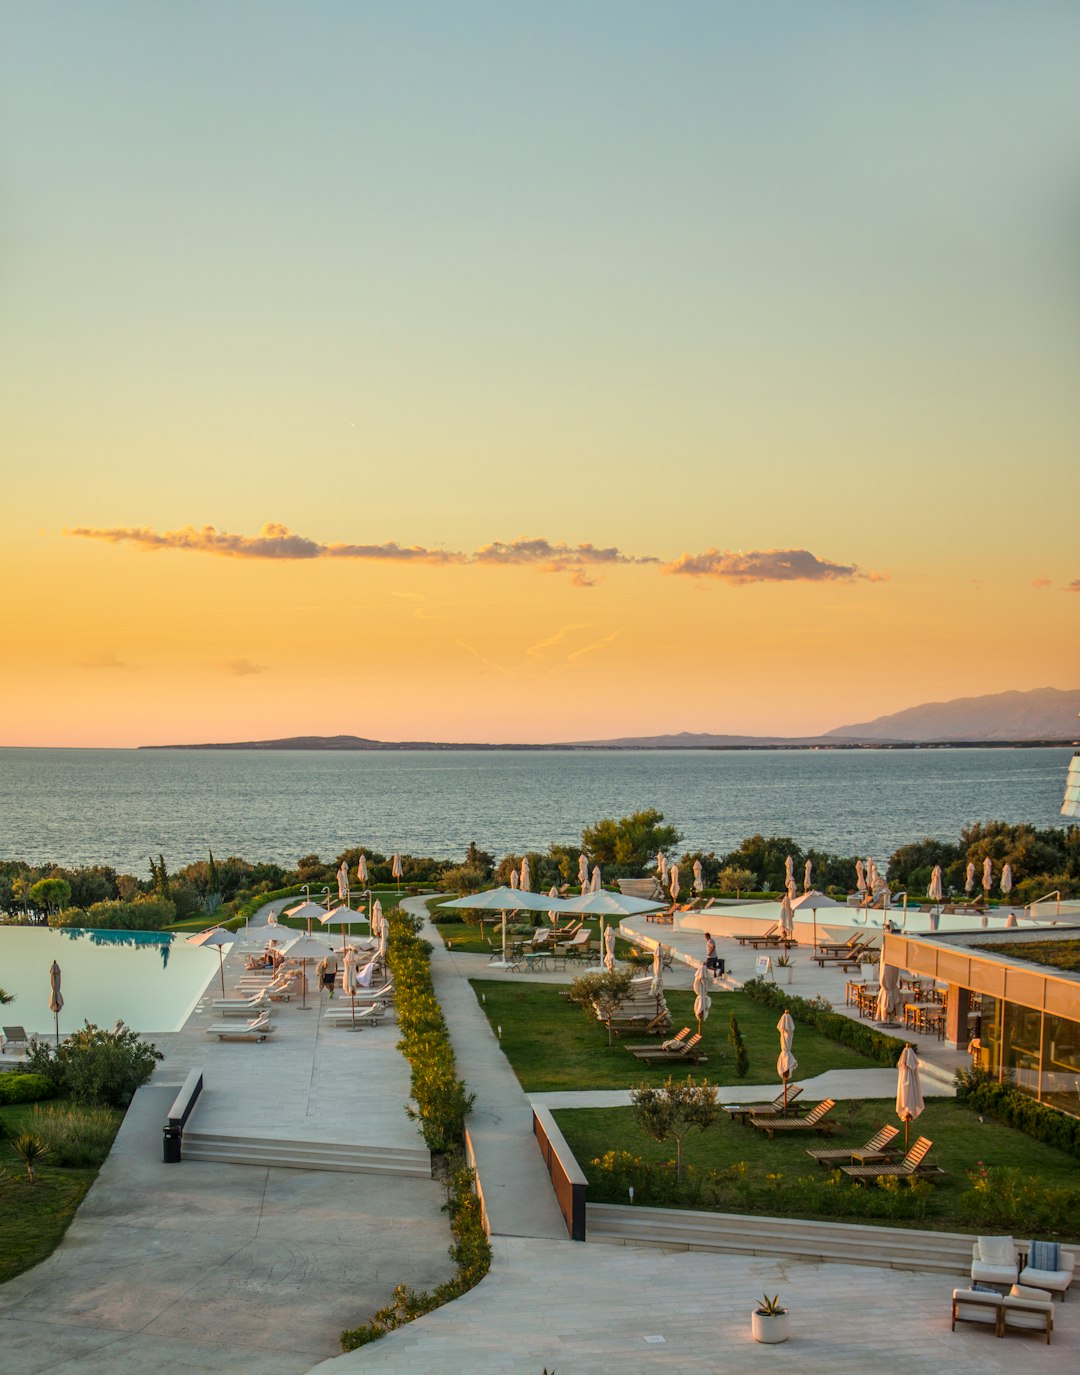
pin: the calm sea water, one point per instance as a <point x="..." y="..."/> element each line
<point x="120" y="806"/>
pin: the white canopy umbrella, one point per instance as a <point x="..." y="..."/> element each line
<point x="502" y="900"/>
<point x="597" y="882"/>
<point x="349" y="979"/>
<point x="787" y="916"/>
<point x="583" y="872"/>
<point x="305" y="948"/>
<point x="217" y="936"/>
<point x="786" y="1063"/>
<point x="661" y="865"/>
<point x="525" y="881"/>
<point x="377" y="911"/>
<point x="969" y="881"/>
<point x="808" y="871"/>
<point x="814" y="901"/>
<point x="871" y="874"/>
<point x="56" y="998"/>
<point x="609" y="949"/>
<point x="307" y="911"/>
<point x="396" y="870"/>
<point x="888" y="999"/>
<point x="702" y="1001"/>
<point x="343" y="881"/>
<point x="673" y="874"/>
<point x="361" y="871"/>
<point x="909" y="1097"/>
<point x="699" y="882"/>
<point x="1006" y="879"/>
<point x="657" y="985"/>
<point x="935" y="891"/>
<point x="789" y="871"/>
<point x="792" y="890"/>
<point x="343" y="917"/>
<point x="988" y="875"/>
<point x="515" y="878"/>
<point x="606" y="903"/>
<point x="860" y="878"/>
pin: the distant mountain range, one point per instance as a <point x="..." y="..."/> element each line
<point x="1047" y="715"/>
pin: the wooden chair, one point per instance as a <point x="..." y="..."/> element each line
<point x="877" y="1148"/>
<point x="680" y="1036"/>
<point x="816" y="1120"/>
<point x="687" y="1050"/>
<point x="913" y="1163"/>
<point x="744" y="1111"/>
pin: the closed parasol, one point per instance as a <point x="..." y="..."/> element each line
<point x="702" y="1001"/>
<point x="909" y="1097"/>
<point x="786" y="1064"/>
<point x="56" y="998"/>
<point x="935" y="891"/>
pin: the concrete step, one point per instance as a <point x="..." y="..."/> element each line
<point x="897" y="1248"/>
<point x="282" y="1152"/>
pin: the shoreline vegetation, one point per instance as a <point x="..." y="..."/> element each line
<point x="223" y="891"/>
<point x="817" y="742"/>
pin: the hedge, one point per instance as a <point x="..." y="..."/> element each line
<point x="981" y="1092"/>
<point x="818" y="1013"/>
<point x="25" y="1088"/>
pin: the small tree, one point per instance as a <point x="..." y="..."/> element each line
<point x="30" y="1149"/>
<point x="96" y="1066"/>
<point x="732" y="879"/>
<point x="51" y="894"/>
<point x="602" y="993"/>
<point x="674" y="1110"/>
<point x="742" y="1059"/>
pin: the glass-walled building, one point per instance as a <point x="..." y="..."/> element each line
<point x="1027" y="1027"/>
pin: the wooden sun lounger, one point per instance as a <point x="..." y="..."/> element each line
<point x="814" y="1121"/>
<point x="914" y="1162"/>
<point x="744" y="1111"/>
<point x="688" y="1050"/>
<point x="756" y="938"/>
<point x="652" y="1045"/>
<point x="659" y="1025"/>
<point x="879" y="1147"/>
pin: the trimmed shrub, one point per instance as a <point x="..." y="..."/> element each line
<point x="96" y="1066"/>
<point x="25" y="1088"/>
<point x="818" y="1013"/>
<point x="981" y="1092"/>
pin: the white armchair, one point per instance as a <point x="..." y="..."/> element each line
<point x="995" y="1260"/>
<point x="1056" y="1280"/>
<point x="1027" y="1309"/>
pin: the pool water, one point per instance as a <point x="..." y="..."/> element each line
<point x="149" y="979"/>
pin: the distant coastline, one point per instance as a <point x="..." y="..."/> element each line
<point x="383" y="746"/>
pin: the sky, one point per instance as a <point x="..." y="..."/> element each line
<point x="534" y="372"/>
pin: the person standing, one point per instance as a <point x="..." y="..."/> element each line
<point x="712" y="964"/>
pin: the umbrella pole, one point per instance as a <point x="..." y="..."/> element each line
<point x="57" y="1017"/>
<point x="221" y="968"/>
<point x="785" y="1093"/>
<point x="504" y="939"/>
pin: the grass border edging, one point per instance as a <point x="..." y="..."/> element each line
<point x="818" y="1013"/>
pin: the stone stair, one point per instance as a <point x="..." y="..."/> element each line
<point x="946" y="1253"/>
<point x="282" y="1152"/>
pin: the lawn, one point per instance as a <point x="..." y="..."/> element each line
<point x="34" y="1218"/>
<point x="473" y="939"/>
<point x="1056" y="954"/>
<point x="552" y="1045"/>
<point x="776" y="1178"/>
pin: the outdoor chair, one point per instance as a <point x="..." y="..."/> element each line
<point x="256" y="1030"/>
<point x="974" y="1305"/>
<point x="914" y="1162"/>
<point x="816" y="1120"/>
<point x="14" y="1036"/>
<point x="879" y="1147"/>
<point x="772" y="936"/>
<point x="348" y="1016"/>
<point x="651" y="1045"/>
<point x="685" y="1050"/>
<point x="1048" y="1266"/>
<point x="233" y="1007"/>
<point x="1027" y="1309"/>
<point x="994" y="1260"/>
<point x="744" y="1111"/>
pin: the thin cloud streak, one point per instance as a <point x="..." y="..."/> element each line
<point x="765" y="565"/>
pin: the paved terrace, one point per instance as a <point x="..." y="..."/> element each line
<point x="232" y="1268"/>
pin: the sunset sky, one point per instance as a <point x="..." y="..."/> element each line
<point x="534" y="371"/>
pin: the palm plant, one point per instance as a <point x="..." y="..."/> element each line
<point x="31" y="1150"/>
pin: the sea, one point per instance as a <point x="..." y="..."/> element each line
<point x="119" y="807"/>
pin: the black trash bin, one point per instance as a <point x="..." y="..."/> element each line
<point x="171" y="1145"/>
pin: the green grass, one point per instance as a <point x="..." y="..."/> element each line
<point x="765" y="1173"/>
<point x="34" y="1218"/>
<point x="552" y="1045"/>
<point x="473" y="939"/>
<point x="1057" y="954"/>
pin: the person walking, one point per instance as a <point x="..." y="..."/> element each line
<point x="328" y="967"/>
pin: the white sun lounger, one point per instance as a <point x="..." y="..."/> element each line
<point x="365" y="1016"/>
<point x="256" y="1030"/>
<point x="240" y="1007"/>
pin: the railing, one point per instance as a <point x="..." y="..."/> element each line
<point x="567" y="1180"/>
<point x="1056" y="895"/>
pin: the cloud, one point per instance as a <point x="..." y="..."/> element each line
<point x="591" y="649"/>
<point x="272" y="542"/>
<point x="1073" y="586"/>
<point x="766" y="565"/>
<point x="1040" y="583"/>
<point x="105" y="658"/>
<point x="243" y="668"/>
<point x="537" y="650"/>
<point x="554" y="558"/>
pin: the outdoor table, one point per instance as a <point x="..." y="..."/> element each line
<point x="538" y="959"/>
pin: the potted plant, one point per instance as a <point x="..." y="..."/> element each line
<point x="769" y="1321"/>
<point x="784" y="962"/>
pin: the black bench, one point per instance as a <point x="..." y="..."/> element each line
<point x="183" y="1103"/>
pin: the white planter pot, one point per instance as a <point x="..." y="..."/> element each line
<point x="769" y="1329"/>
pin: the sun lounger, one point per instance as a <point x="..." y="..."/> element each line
<point x="385" y="994"/>
<point x="679" y="1050"/>
<point x="770" y="936"/>
<point x="256" y="1030"/>
<point x="239" y="1007"/>
<point x="14" y="1036"/>
<point x="744" y="1111"/>
<point x="816" y="1120"/>
<point x="652" y="1045"/>
<point x="879" y="1147"/>
<point x="358" y="1017"/>
<point x="913" y="1163"/>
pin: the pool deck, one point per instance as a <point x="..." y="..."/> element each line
<point x="244" y="1269"/>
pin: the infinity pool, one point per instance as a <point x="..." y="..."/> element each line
<point x="149" y="979"/>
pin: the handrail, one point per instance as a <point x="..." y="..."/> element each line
<point x="1055" y="894"/>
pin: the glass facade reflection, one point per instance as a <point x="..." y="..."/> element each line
<point x="1039" y="1052"/>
